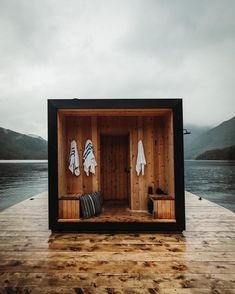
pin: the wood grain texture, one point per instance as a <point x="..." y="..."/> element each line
<point x="115" y="112"/>
<point x="69" y="209"/>
<point x="114" y="165"/>
<point x="34" y="260"/>
<point x="61" y="155"/>
<point x="154" y="129"/>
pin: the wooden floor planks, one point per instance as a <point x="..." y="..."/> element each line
<point x="34" y="260"/>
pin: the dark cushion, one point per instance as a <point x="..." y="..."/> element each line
<point x="90" y="205"/>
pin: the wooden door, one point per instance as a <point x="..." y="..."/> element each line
<point x="114" y="158"/>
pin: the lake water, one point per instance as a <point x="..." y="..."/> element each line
<point x="20" y="180"/>
<point x="213" y="180"/>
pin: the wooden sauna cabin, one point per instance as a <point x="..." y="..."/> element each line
<point x="150" y="201"/>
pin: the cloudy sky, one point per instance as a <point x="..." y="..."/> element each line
<point x="110" y="49"/>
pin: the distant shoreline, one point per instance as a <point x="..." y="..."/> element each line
<point x="46" y="160"/>
<point x="219" y="160"/>
<point x="23" y="160"/>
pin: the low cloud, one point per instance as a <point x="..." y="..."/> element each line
<point x="60" y="49"/>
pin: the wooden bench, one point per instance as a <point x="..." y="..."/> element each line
<point x="163" y="206"/>
<point x="69" y="207"/>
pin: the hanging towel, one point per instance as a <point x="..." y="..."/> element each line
<point x="141" y="162"/>
<point x="74" y="159"/>
<point x="89" y="158"/>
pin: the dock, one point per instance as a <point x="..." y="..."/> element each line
<point x="200" y="260"/>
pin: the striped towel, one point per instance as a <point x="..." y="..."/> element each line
<point x="89" y="158"/>
<point x="74" y="159"/>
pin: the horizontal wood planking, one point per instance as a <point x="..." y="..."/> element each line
<point x="115" y="112"/>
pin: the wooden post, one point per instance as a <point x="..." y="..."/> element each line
<point x="94" y="138"/>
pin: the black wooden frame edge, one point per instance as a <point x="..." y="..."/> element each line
<point x="174" y="104"/>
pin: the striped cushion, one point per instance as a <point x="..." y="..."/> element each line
<point x="90" y="205"/>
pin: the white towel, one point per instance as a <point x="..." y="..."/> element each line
<point x="89" y="158"/>
<point x="141" y="162"/>
<point x="74" y="159"/>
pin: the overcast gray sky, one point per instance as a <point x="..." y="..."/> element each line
<point x="110" y="49"/>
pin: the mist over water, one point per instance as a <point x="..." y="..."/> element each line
<point x="213" y="180"/>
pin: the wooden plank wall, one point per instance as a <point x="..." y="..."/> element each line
<point x="169" y="173"/>
<point x="61" y="156"/>
<point x="114" y="161"/>
<point x="79" y="129"/>
<point x="164" y="209"/>
<point x="164" y="162"/>
<point x="156" y="134"/>
<point x="69" y="209"/>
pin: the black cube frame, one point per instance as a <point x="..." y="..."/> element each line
<point x="176" y="105"/>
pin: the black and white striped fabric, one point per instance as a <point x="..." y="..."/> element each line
<point x="74" y="159"/>
<point x="90" y="205"/>
<point x="89" y="158"/>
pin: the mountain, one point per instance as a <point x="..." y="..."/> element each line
<point x="227" y="153"/>
<point x="15" y="145"/>
<point x="195" y="132"/>
<point x="219" y="137"/>
<point x="35" y="136"/>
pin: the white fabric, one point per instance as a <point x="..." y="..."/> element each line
<point x="141" y="162"/>
<point x="74" y="159"/>
<point x="89" y="158"/>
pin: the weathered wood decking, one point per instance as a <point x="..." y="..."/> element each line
<point x="201" y="260"/>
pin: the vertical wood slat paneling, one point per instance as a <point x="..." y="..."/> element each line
<point x="98" y="171"/>
<point x="161" y="169"/>
<point x="60" y="209"/>
<point x="135" y="203"/>
<point x="113" y="163"/>
<point x="141" y="179"/>
<point x="157" y="136"/>
<point x="165" y="155"/>
<point x="61" y="155"/>
<point x="171" y="156"/>
<point x="156" y="153"/>
<point x="80" y="146"/>
<point x="74" y="183"/>
<point x="148" y="142"/>
<point x="69" y="209"/>
<point x="72" y="208"/>
<point x="86" y="132"/>
<point x="65" y="211"/>
<point x="94" y="139"/>
<point x="164" y="209"/>
<point x="78" y="129"/>
<point x="69" y="205"/>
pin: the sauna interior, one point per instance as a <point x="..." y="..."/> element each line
<point x="115" y="134"/>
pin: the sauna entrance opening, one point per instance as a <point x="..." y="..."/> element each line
<point x="114" y="157"/>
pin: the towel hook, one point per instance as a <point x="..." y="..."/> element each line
<point x="186" y="132"/>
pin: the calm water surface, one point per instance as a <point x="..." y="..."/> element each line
<point x="20" y="180"/>
<point x="213" y="180"/>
